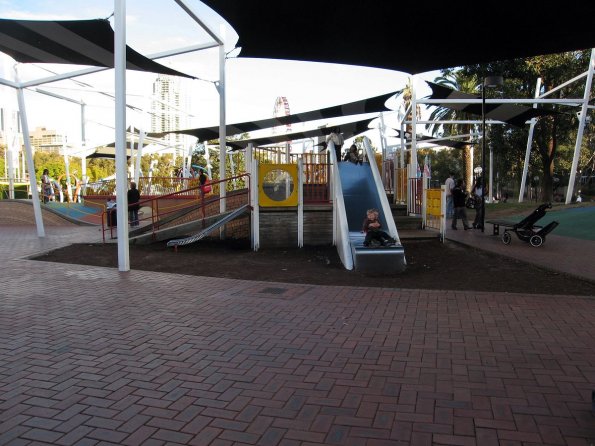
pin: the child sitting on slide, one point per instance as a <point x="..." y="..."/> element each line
<point x="373" y="230"/>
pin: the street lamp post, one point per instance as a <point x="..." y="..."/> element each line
<point x="488" y="82"/>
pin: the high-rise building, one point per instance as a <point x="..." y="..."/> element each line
<point x="169" y="111"/>
<point x="46" y="140"/>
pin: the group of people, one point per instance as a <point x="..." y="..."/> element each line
<point x="49" y="187"/>
<point x="352" y="155"/>
<point x="133" y="197"/>
<point x="456" y="202"/>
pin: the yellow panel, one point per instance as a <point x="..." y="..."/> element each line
<point x="433" y="197"/>
<point x="273" y="192"/>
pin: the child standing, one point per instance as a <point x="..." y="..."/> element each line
<point x="373" y="229"/>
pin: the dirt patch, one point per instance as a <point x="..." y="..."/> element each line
<point x="430" y="265"/>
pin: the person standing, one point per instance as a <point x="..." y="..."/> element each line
<point x="46" y="186"/>
<point x="449" y="185"/>
<point x="337" y="139"/>
<point x="133" y="206"/>
<point x="202" y="182"/>
<point x="477" y="192"/>
<point x="458" y="198"/>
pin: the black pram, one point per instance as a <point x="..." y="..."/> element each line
<point x="526" y="230"/>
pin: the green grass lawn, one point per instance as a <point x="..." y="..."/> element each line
<point x="575" y="220"/>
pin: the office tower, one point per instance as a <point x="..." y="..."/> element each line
<point x="169" y="111"/>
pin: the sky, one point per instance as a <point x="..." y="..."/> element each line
<point x="152" y="26"/>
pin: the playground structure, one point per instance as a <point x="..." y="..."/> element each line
<point x="349" y="190"/>
<point x="413" y="197"/>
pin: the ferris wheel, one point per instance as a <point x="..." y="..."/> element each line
<point x="281" y="109"/>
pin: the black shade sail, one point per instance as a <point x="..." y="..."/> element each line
<point x="369" y="105"/>
<point x="109" y="152"/>
<point x="512" y="114"/>
<point x="347" y="130"/>
<point x="407" y="36"/>
<point x="439" y="142"/>
<point x="78" y="42"/>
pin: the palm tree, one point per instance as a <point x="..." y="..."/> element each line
<point x="407" y="93"/>
<point x="467" y="84"/>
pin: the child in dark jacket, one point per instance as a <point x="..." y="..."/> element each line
<point x="373" y="229"/>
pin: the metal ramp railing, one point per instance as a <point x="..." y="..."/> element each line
<point x="225" y="218"/>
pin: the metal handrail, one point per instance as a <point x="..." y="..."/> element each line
<point x="158" y="213"/>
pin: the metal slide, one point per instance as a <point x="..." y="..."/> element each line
<point x="360" y="193"/>
<point x="225" y="218"/>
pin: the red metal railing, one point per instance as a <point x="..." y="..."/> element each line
<point x="184" y="206"/>
<point x="316" y="183"/>
<point x="415" y="196"/>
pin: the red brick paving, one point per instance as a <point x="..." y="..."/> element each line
<point x="92" y="356"/>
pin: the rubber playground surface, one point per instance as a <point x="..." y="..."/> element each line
<point x="577" y="222"/>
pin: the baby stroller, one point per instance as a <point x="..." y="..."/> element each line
<point x="527" y="231"/>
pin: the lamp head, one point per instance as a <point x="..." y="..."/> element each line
<point x="493" y="81"/>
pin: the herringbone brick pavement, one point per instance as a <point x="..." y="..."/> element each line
<point x="92" y="356"/>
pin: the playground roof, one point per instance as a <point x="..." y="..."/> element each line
<point x="348" y="130"/>
<point x="109" y="151"/>
<point x="406" y="36"/>
<point x="368" y="105"/>
<point x="78" y="42"/>
<point x="438" y="142"/>
<point x="512" y="114"/>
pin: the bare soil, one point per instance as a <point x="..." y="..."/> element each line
<point x="430" y="265"/>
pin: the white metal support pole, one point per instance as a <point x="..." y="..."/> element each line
<point x="208" y="159"/>
<point x="254" y="186"/>
<point x="331" y="150"/>
<point x="581" y="128"/>
<point x="30" y="165"/>
<point x="491" y="177"/>
<point x="12" y="148"/>
<point x="249" y="154"/>
<point x="121" y="174"/>
<point x="67" y="167"/>
<point x="300" y="185"/>
<point x="84" y="146"/>
<point x="381" y="130"/>
<point x="529" y="145"/>
<point x="139" y="154"/>
<point x="222" y="130"/>
<point x="403" y="146"/>
<point x="413" y="165"/>
<point x="424" y="202"/>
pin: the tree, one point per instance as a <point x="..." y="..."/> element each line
<point x="2" y="165"/>
<point x="457" y="80"/>
<point x="407" y="93"/>
<point x="551" y="132"/>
